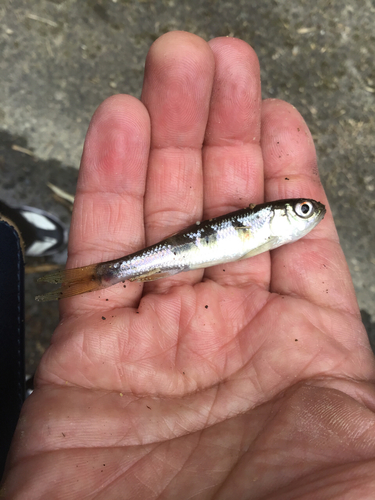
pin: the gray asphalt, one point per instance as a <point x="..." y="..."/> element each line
<point x="61" y="58"/>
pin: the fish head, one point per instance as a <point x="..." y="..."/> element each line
<point x="303" y="215"/>
<point x="294" y="218"/>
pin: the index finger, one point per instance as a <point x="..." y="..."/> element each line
<point x="313" y="267"/>
<point x="107" y="220"/>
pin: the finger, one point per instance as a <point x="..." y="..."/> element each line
<point x="313" y="267"/>
<point x="233" y="165"/>
<point x="176" y="92"/>
<point x="107" y="218"/>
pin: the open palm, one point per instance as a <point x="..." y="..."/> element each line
<point x="246" y="380"/>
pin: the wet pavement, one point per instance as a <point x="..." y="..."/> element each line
<point x="62" y="58"/>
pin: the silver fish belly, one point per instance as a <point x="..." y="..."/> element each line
<point x="204" y="244"/>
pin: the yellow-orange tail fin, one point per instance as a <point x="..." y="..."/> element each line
<point x="74" y="282"/>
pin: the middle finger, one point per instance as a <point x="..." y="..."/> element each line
<point x="176" y="91"/>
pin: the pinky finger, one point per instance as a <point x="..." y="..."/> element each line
<point x="313" y="267"/>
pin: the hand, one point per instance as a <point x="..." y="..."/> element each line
<point x="247" y="380"/>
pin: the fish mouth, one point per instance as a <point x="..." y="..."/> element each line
<point x="321" y="209"/>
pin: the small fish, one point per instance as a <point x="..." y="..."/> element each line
<point x="227" y="238"/>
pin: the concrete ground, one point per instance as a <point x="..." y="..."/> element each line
<point x="61" y="58"/>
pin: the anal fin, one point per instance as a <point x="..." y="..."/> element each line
<point x="155" y="274"/>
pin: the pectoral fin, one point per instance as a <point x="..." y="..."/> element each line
<point x="270" y="244"/>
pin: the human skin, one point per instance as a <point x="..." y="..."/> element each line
<point x="145" y="392"/>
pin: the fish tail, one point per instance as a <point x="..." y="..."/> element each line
<point x="74" y="282"/>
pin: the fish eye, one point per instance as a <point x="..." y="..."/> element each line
<point x="304" y="209"/>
